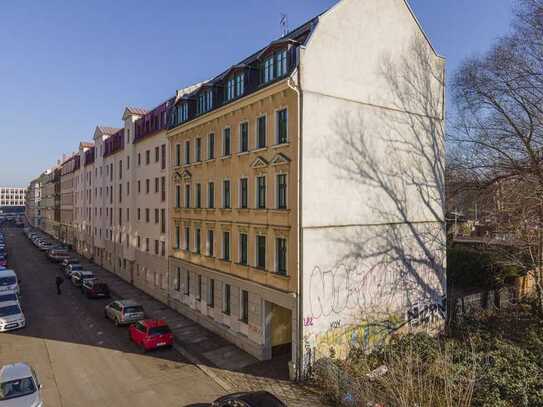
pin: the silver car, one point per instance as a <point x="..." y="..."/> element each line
<point x="124" y="312"/>
<point x="19" y="386"/>
<point x="11" y="316"/>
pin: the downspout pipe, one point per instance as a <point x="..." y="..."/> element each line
<point x="296" y="87"/>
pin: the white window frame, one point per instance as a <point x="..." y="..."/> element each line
<point x="223" y="141"/>
<point x="276" y="190"/>
<point x="276" y="124"/>
<point x="257" y="147"/>
<point x="248" y="137"/>
<point x="239" y="191"/>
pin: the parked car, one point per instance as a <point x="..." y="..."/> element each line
<point x="124" y="312"/>
<point x="72" y="268"/>
<point x="95" y="289"/>
<point x="3" y="260"/>
<point x="78" y="277"/>
<point x="9" y="281"/>
<point x="11" y="316"/>
<point x="67" y="261"/>
<point x="57" y="255"/>
<point x="151" y="334"/>
<point x="249" y="399"/>
<point x="19" y="386"/>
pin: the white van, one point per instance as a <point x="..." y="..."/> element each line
<point x="9" y="281"/>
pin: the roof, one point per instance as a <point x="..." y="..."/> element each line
<point x="138" y="111"/>
<point x="107" y="130"/>
<point x="129" y="303"/>
<point x="86" y="144"/>
<point x="154" y="323"/>
<point x="15" y="371"/>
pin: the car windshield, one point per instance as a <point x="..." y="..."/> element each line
<point x="8" y="297"/>
<point x="10" y="310"/>
<point x="133" y="309"/>
<point x="88" y="276"/>
<point x="159" y="330"/>
<point x="17" y="388"/>
<point x="4" y="281"/>
<point x="76" y="267"/>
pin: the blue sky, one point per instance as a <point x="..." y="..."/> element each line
<point x="67" y="65"/>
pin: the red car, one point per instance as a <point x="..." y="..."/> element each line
<point x="151" y="334"/>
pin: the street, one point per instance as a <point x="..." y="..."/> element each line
<point x="81" y="358"/>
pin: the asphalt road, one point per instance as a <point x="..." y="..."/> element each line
<point x="81" y="358"/>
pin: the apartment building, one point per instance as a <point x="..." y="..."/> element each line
<point x="12" y="197"/>
<point x="265" y="227"/>
<point x="69" y="170"/>
<point x="146" y="187"/>
<point x="32" y="202"/>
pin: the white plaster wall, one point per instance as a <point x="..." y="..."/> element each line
<point x="356" y="267"/>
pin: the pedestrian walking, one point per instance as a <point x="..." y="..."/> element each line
<point x="59" y="280"/>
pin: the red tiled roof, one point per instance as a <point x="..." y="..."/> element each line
<point x="108" y="130"/>
<point x="137" y="110"/>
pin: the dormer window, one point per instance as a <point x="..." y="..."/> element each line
<point x="274" y="66"/>
<point x="235" y="87"/>
<point x="205" y="101"/>
<point x="183" y="112"/>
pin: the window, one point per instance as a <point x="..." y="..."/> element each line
<point x="147" y="185"/>
<point x="198" y="157"/>
<point x="199" y="287"/>
<point x="280" y="63"/>
<point x="210" y="243"/>
<point x="147" y="157"/>
<point x="187" y="196"/>
<point x="163" y="189"/>
<point x="120" y="169"/>
<point x="156" y="185"/>
<point x="261" y="132"/>
<point x="230" y="89"/>
<point x="282" y="191"/>
<point x="138" y="242"/>
<point x="240" y="84"/>
<point x="226" y="194"/>
<point x="163" y="248"/>
<point x="139" y="160"/>
<point x="261" y="192"/>
<point x="139" y="213"/>
<point x="157" y="215"/>
<point x="146" y="244"/>
<point x="178" y="279"/>
<point x="281" y="126"/>
<point x="211" y="146"/>
<point x="243" y="192"/>
<point x="183" y="112"/>
<point x="157" y="154"/>
<point x="187" y="283"/>
<point x="147" y="215"/>
<point x="205" y="102"/>
<point x="198" y="196"/>
<point x="156" y="247"/>
<point x="211" y="195"/>
<point x="281" y="255"/>
<point x="187" y="152"/>
<point x="226" y="302"/>
<point x="187" y="238"/>
<point x="163" y="154"/>
<point x="178" y="196"/>
<point x="139" y="187"/>
<point x="211" y="293"/>
<point x="178" y="154"/>
<point x="243" y="248"/>
<point x="198" y="241"/>
<point x="244" y="137"/>
<point x="267" y="70"/>
<point x="226" y="142"/>
<point x="244" y="306"/>
<point x="261" y="252"/>
<point x="163" y="220"/>
<point x="177" y="237"/>
<point x="226" y="245"/>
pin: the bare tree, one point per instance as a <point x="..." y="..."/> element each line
<point x="396" y="156"/>
<point x="499" y="131"/>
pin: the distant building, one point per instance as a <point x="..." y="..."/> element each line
<point x="12" y="199"/>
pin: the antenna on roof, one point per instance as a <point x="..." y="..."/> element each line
<point x="284" y="24"/>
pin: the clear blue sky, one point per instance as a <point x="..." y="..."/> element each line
<point x="66" y="66"/>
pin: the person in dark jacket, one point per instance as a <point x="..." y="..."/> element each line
<point x="59" y="280"/>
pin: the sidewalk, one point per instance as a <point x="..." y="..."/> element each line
<point x="232" y="368"/>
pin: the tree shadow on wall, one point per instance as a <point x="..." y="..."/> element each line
<point x="392" y="162"/>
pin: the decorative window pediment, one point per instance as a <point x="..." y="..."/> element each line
<point x="259" y="162"/>
<point x="182" y="176"/>
<point x="280" y="159"/>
